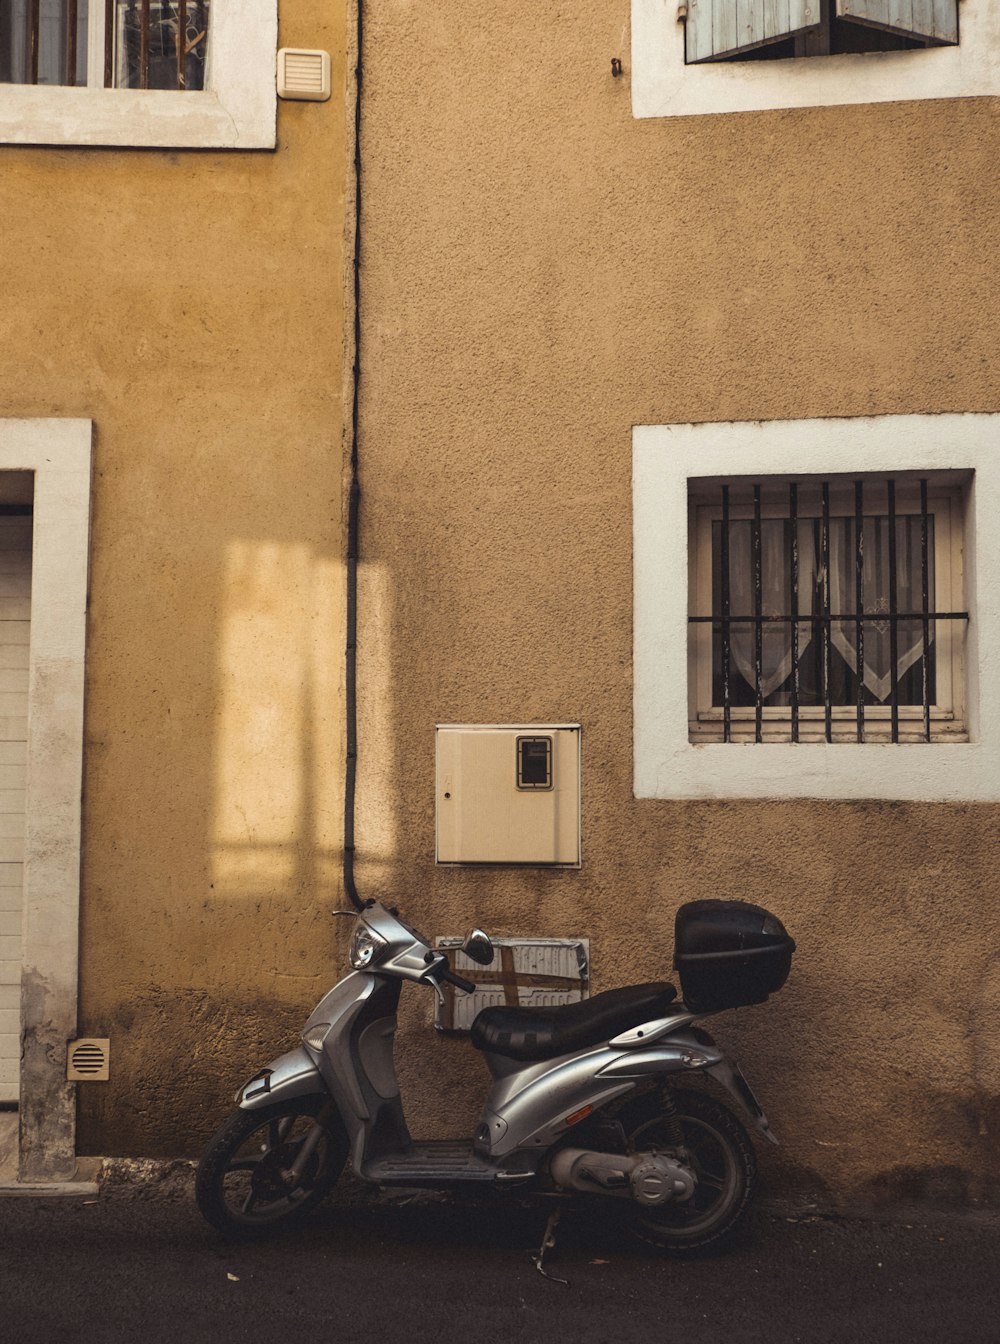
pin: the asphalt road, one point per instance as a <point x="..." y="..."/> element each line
<point x="140" y="1266"/>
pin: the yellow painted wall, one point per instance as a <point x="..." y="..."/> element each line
<point x="543" y="273"/>
<point x="192" y="304"/>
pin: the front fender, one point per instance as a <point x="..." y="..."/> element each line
<point x="291" y="1075"/>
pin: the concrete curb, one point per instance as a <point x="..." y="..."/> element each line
<point x="148" y="1178"/>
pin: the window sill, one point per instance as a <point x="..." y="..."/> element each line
<point x="776" y="727"/>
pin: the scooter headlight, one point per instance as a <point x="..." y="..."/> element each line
<point x="366" y="947"/>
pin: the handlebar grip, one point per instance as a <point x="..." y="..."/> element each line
<point x="451" y="978"/>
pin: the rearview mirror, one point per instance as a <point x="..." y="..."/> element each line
<point x="478" y="948"/>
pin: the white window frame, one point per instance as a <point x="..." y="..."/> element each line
<point x="665" y="458"/>
<point x="948" y="710"/>
<point x="664" y="86"/>
<point x="236" y="110"/>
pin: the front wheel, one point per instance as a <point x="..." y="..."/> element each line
<point x="246" y="1184"/>
<point x="707" y="1138"/>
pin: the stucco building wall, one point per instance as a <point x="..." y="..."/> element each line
<point x="543" y="273"/>
<point x="192" y="305"/>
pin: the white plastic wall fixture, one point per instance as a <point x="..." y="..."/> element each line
<point x="487" y="813"/>
<point x="303" y="75"/>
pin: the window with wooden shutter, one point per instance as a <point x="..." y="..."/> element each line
<point x="744" y="30"/>
<point x="932" y="21"/>
<point x="717" y="29"/>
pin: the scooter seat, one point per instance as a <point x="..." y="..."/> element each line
<point x="544" y="1033"/>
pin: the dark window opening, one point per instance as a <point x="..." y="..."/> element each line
<point x="534" y="762"/>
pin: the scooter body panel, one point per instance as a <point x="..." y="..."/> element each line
<point x="327" y="1036"/>
<point x="534" y="1106"/>
<point x="350" y="1034"/>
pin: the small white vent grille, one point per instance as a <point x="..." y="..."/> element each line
<point x="88" y="1060"/>
<point x="531" y="972"/>
<point x="303" y="75"/>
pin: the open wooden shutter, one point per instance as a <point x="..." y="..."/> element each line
<point x="715" y="29"/>
<point x="934" y="21"/>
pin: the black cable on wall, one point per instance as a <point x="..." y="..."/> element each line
<point x="354" y="509"/>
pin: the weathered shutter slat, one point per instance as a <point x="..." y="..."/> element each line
<point x="928" y="20"/>
<point x="715" y="29"/>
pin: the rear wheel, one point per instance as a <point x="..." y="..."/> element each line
<point x="245" y="1183"/>
<point x="707" y="1138"/>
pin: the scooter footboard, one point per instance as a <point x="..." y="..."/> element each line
<point x="291" y="1075"/>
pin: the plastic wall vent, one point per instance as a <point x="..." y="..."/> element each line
<point x="88" y="1060"/>
<point x="303" y="75"/>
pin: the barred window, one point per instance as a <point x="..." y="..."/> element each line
<point x="827" y="610"/>
<point x="127" y="44"/>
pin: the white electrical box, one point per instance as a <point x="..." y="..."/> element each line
<point x="508" y="793"/>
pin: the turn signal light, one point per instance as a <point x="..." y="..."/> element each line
<point x="579" y="1115"/>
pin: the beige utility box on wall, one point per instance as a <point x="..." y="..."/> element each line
<point x="508" y="793"/>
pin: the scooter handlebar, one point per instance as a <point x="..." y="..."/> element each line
<point x="448" y="976"/>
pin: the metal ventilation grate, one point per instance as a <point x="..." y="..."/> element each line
<point x="88" y="1060"/>
<point x="304" y="75"/>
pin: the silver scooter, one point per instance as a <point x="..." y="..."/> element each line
<point x="583" y="1099"/>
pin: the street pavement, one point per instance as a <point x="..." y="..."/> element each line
<point x="138" y="1264"/>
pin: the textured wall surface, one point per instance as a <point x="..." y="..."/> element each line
<point x="543" y="272"/>
<point x="192" y="305"/>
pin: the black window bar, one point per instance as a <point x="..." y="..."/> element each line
<point x="825" y="618"/>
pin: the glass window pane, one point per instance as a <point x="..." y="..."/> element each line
<point x="161" y="44"/>
<point x="43" y="42"/>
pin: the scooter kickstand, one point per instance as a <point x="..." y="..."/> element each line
<point x="548" y="1244"/>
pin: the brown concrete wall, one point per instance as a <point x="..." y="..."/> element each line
<point x="192" y="304"/>
<point x="543" y="272"/>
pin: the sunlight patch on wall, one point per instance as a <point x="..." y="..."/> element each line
<point x="378" y="761"/>
<point x="277" y="823"/>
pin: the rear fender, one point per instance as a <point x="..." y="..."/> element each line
<point x="683" y="1052"/>
<point x="731" y="1078"/>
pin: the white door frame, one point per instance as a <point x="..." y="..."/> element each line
<point x="58" y="452"/>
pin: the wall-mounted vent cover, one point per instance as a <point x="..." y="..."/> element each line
<point x="88" y="1060"/>
<point x="303" y="75"/>
<point x="531" y="972"/>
